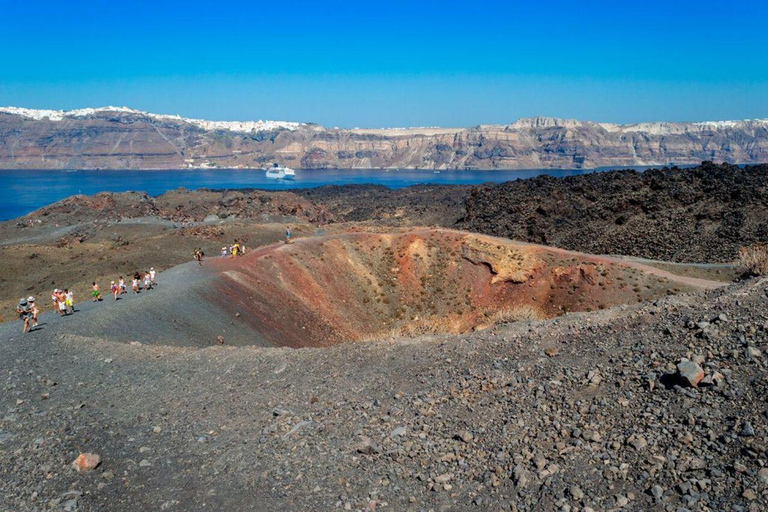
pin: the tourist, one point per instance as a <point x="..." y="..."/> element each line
<point x="135" y="283"/>
<point x="147" y="281"/>
<point x="24" y="314"/>
<point x="33" y="309"/>
<point x="235" y="249"/>
<point x="152" y="276"/>
<point x="115" y="289"/>
<point x="288" y="234"/>
<point x="55" y="299"/>
<point x="69" y="299"/>
<point x="223" y="252"/>
<point x="199" y="256"/>
<point x="61" y="301"/>
<point x="95" y="292"/>
<point x="121" y="283"/>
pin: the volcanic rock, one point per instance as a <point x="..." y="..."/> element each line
<point x="86" y="462"/>
<point x="689" y="373"/>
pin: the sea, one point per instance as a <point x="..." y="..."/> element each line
<point x="23" y="191"/>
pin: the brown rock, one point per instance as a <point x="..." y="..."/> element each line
<point x="86" y="462"/>
<point x="689" y="373"/>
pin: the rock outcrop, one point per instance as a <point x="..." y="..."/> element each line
<point x="696" y="215"/>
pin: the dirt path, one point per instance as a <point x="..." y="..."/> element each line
<point x="174" y="313"/>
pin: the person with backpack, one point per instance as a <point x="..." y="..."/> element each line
<point x="24" y="313"/>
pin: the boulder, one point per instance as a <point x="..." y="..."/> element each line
<point x="86" y="462"/>
<point x="689" y="373"/>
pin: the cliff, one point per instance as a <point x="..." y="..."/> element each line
<point x="120" y="138"/>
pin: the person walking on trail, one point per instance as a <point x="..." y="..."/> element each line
<point x="121" y="283"/>
<point x="55" y="299"/>
<point x="152" y="276"/>
<point x="24" y="314"/>
<point x="147" y="281"/>
<point x="61" y="302"/>
<point x="288" y="234"/>
<point x="135" y="283"/>
<point x="115" y="289"/>
<point x="223" y="252"/>
<point x="33" y="310"/>
<point x="69" y="300"/>
<point x="235" y="249"/>
<point x="95" y="292"/>
<point x="199" y="256"/>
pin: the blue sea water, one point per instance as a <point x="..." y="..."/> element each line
<point x="23" y="191"/>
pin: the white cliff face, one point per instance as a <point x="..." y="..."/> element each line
<point x="650" y="128"/>
<point x="123" y="138"/>
<point x="233" y="126"/>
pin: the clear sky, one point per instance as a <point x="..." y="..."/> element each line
<point x="391" y="63"/>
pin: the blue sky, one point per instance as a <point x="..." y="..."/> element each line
<point x="391" y="63"/>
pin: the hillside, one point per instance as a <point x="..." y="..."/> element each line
<point x="120" y="138"/>
<point x="701" y="214"/>
<point x="587" y="412"/>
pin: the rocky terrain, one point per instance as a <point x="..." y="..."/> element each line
<point x="703" y="214"/>
<point x="439" y="369"/>
<point x="122" y="138"/>
<point x="654" y="406"/>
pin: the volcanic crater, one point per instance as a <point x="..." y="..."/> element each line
<point x="362" y="286"/>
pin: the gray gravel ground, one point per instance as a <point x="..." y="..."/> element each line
<point x="175" y="312"/>
<point x="582" y="413"/>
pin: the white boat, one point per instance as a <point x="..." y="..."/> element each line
<point x="278" y="172"/>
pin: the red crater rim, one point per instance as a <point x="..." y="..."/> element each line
<point x="363" y="286"/>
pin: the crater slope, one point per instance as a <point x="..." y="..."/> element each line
<point x="357" y="286"/>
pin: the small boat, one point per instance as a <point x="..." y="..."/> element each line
<point x="436" y="172"/>
<point x="278" y="172"/>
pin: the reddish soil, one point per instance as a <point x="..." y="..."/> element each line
<point x="323" y="291"/>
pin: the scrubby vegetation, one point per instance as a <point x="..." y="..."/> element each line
<point x="753" y="259"/>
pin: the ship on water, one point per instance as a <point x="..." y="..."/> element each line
<point x="279" y="172"/>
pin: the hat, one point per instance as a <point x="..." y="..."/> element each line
<point x="23" y="302"/>
<point x="30" y="299"/>
<point x="151" y="268"/>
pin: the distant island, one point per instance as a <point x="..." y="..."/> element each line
<point x="124" y="138"/>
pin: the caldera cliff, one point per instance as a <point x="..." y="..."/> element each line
<point x="123" y="138"/>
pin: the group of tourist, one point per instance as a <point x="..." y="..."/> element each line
<point x="139" y="282"/>
<point x="28" y="311"/>
<point x="64" y="300"/>
<point x="236" y="249"/>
